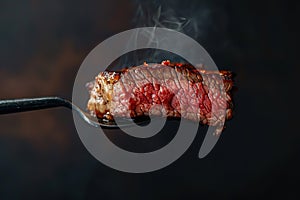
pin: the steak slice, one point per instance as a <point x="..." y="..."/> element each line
<point x="166" y="89"/>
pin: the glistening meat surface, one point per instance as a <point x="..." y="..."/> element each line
<point x="166" y="89"/>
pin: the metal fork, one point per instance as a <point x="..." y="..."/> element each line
<point x="30" y="104"/>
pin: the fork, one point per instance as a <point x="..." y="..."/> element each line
<point x="30" y="104"/>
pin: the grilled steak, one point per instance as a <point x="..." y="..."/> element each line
<point x="166" y="89"/>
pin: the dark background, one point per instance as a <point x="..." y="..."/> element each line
<point x="42" y="44"/>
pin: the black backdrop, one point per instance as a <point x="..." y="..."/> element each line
<point x="42" y="46"/>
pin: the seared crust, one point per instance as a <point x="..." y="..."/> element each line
<point x="179" y="89"/>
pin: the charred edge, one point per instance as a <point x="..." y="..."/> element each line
<point x="189" y="71"/>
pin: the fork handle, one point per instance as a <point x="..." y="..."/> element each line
<point x="29" y="104"/>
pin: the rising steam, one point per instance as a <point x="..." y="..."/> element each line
<point x="187" y="18"/>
